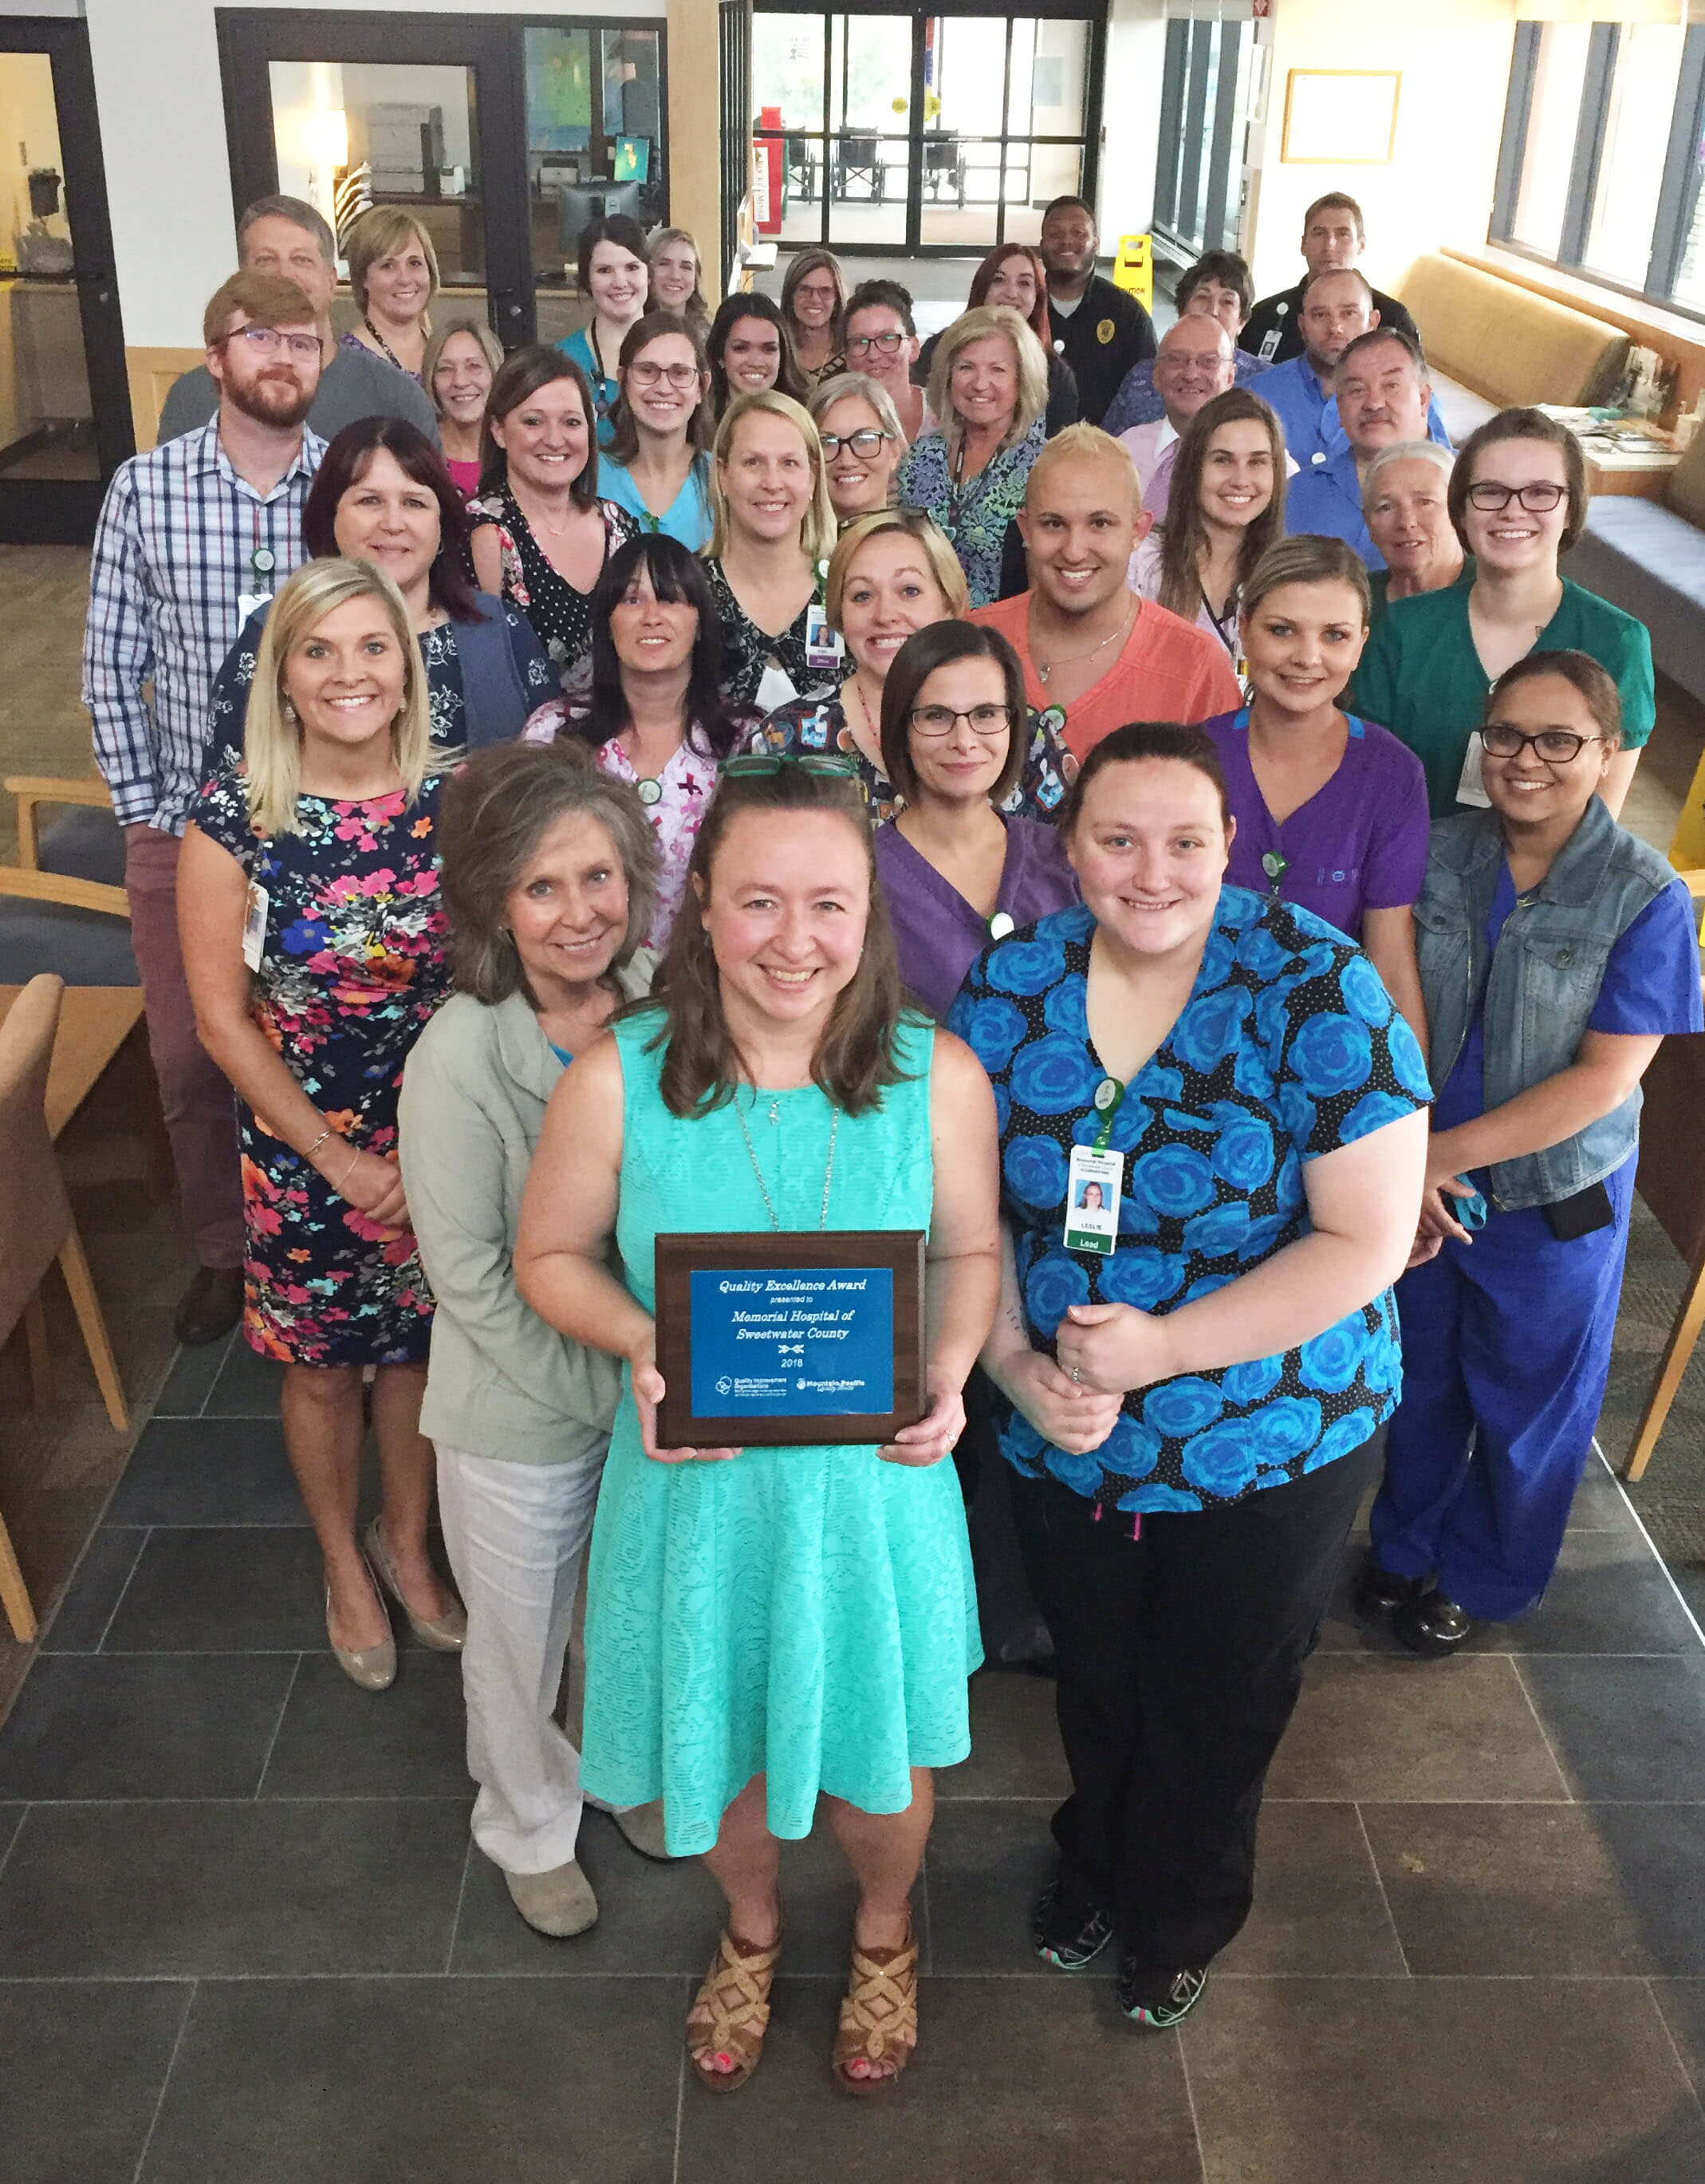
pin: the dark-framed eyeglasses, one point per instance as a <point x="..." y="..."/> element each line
<point x="942" y="720"/>
<point x="888" y="343"/>
<point x="265" y="341"/>
<point x="1538" y="498"/>
<point x="682" y="376"/>
<point x="1556" y="746"/>
<point x="866" y="443"/>
<point x="754" y="765"/>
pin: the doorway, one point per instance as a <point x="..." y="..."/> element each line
<point x="65" y="404"/>
<point x="503" y="135"/>
<point x="1211" y="88"/>
<point x="927" y="134"/>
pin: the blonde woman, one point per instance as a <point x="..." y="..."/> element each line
<point x="315" y="949"/>
<point x="677" y="276"/>
<point x="988" y="386"/>
<point x="862" y="442"/>
<point x="393" y="276"/>
<point x="772" y="529"/>
<point x="462" y="359"/>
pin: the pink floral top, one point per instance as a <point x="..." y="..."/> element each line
<point x="676" y="810"/>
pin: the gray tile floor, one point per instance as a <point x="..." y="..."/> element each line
<point x="243" y="1935"/>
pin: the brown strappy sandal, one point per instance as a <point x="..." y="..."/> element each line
<point x="730" y="2013"/>
<point x="878" y="2016"/>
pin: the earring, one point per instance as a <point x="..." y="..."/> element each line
<point x="291" y="715"/>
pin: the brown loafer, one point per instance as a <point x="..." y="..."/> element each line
<point x="210" y="1306"/>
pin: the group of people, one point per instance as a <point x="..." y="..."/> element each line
<point x="1240" y="976"/>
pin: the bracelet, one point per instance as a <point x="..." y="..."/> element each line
<point x="347" y="1171"/>
<point x="328" y="1132"/>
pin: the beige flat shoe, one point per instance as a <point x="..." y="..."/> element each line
<point x="641" y="1828"/>
<point x="374" y="1668"/>
<point x="560" y="1903"/>
<point x="440" y="1634"/>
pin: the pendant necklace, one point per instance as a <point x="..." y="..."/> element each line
<point x="751" y="1154"/>
<point x="384" y="348"/>
<point x="1121" y="633"/>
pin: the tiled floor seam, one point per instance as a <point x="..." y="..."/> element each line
<point x="1189" y="2100"/>
<point x="1675" y="2047"/>
<point x="272" y="1741"/>
<point x="12" y="1842"/>
<point x="160" y="2101"/>
<point x="1669" y="1574"/>
<point x="1545" y="1739"/>
<point x="461" y="1897"/>
<point x="1379" y="1883"/>
<point x="129" y="1577"/>
<point x="680" y="2109"/>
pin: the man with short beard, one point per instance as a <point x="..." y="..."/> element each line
<point x="1092" y="651"/>
<point x="192" y="536"/>
<point x="1099" y="330"/>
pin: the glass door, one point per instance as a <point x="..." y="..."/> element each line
<point x="1210" y="88"/>
<point x="64" y="405"/>
<point x="945" y="133"/>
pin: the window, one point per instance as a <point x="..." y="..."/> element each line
<point x="1600" y="166"/>
<point x="1554" y="119"/>
<point x="1630" y="165"/>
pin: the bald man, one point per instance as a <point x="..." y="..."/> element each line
<point x="1092" y="651"/>
<point x="1338" y="307"/>
<point x="1197" y="359"/>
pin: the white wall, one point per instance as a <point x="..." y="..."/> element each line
<point x="1130" y="117"/>
<point x="161" y="109"/>
<point x="1437" y="187"/>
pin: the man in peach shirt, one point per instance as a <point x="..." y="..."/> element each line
<point x="1092" y="651"/>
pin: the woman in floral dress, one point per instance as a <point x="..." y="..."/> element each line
<point x="315" y="947"/>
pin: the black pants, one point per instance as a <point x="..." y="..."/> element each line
<point x="1180" y="1658"/>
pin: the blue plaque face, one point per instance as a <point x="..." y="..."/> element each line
<point x="792" y="1342"/>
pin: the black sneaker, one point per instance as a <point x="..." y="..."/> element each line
<point x="1432" y="1625"/>
<point x="1378" y="1595"/>
<point x="1160" y="2000"/>
<point x="1069" y="1930"/>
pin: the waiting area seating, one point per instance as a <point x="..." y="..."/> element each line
<point x="1648" y="556"/>
<point x="1492" y="344"/>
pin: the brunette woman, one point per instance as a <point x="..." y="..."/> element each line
<point x="1226" y="508"/>
<point x="462" y="361"/>
<point x="613" y="276"/>
<point x="542" y="535"/>
<point x="814" y="305"/>
<point x="656" y="466"/>
<point x="750" y="352"/>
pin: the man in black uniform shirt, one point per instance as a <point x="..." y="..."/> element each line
<point x="1099" y="330"/>
<point x="1332" y="241"/>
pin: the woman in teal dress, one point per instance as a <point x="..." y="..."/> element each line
<point x="765" y="1625"/>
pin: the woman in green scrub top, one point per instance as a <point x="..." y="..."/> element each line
<point x="1518" y="499"/>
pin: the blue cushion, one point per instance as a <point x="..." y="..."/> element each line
<point x="84" y="947"/>
<point x="1645" y="559"/>
<point x="85" y="844"/>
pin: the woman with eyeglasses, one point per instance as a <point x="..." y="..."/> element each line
<point x="655" y="465"/>
<point x="750" y="353"/>
<point x="892" y="573"/>
<point x="882" y="344"/>
<point x="769" y="1626"/>
<point x="1518" y="500"/>
<point x="813" y="306"/>
<point x="861" y="443"/>
<point x="1555" y="952"/>
<point x="957" y="866"/>
<point x="613" y="276"/>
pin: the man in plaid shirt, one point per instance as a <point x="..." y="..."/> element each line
<point x="191" y="538"/>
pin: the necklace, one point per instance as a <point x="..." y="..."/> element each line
<point x="384" y="348"/>
<point x="541" y="523"/>
<point x="751" y="1154"/>
<point x="1122" y="631"/>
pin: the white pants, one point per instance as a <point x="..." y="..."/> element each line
<point x="515" y="1534"/>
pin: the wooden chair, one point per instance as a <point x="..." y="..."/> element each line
<point x="36" y="1228"/>
<point x="1672" y="1181"/>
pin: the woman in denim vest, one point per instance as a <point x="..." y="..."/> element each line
<point x="1556" y="951"/>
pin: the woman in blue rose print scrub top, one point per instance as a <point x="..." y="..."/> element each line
<point x="1193" y="1392"/>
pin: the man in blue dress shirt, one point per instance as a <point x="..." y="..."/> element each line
<point x="1383" y="396"/>
<point x="1337" y="306"/>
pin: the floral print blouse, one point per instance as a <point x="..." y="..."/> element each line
<point x="975" y="514"/>
<point x="561" y="616"/>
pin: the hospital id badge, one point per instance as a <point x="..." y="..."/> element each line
<point x="1093" y="1188"/>
<point x="823" y="649"/>
<point x="254" y="926"/>
<point x="1471" y="787"/>
<point x="249" y="603"/>
<point x="1270" y="343"/>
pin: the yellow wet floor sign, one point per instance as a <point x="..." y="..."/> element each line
<point x="1687" y="844"/>
<point x="1133" y="268"/>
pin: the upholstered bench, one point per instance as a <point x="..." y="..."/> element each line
<point x="1648" y="556"/>
<point x="1492" y="346"/>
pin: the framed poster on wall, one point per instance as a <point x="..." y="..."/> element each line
<point x="1340" y="117"/>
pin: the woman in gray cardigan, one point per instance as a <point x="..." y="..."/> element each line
<point x="549" y="871"/>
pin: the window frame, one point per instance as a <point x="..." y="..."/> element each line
<point x="1668" y="239"/>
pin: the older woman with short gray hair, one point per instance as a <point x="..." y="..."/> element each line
<point x="1404" y="492"/>
<point x="549" y="869"/>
